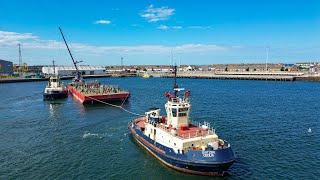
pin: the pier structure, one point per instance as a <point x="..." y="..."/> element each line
<point x="268" y="76"/>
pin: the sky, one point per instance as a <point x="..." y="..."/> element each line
<point x="161" y="32"/>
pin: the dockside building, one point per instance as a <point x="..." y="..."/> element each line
<point x="71" y="71"/>
<point x="6" y="68"/>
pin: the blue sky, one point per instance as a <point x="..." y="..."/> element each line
<point x="148" y="32"/>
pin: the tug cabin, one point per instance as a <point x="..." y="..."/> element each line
<point x="177" y="121"/>
<point x="177" y="113"/>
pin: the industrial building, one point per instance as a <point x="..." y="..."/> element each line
<point x="71" y="71"/>
<point x="6" y="68"/>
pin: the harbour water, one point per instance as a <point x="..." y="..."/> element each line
<point x="267" y="124"/>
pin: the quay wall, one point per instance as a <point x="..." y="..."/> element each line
<point x="15" y="80"/>
<point x="267" y="76"/>
<point x="235" y="76"/>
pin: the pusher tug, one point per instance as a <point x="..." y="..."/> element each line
<point x="55" y="88"/>
<point x="179" y="144"/>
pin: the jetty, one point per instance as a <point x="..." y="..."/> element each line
<point x="267" y="76"/>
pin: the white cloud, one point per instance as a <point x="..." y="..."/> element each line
<point x="102" y="21"/>
<point x="176" y="27"/>
<point x="200" y="48"/>
<point x="200" y="27"/>
<point x="30" y="41"/>
<point x="165" y="27"/>
<point x="13" y="38"/>
<point x="152" y="14"/>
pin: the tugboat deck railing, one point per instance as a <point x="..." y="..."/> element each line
<point x="191" y="132"/>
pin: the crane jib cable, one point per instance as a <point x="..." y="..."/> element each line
<point x="120" y="107"/>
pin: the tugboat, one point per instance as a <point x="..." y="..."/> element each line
<point x="55" y="88"/>
<point x="93" y="92"/>
<point x="180" y="144"/>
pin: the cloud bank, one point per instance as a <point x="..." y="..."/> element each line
<point x="152" y="14"/>
<point x="30" y="41"/>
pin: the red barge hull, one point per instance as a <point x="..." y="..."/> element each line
<point x="112" y="97"/>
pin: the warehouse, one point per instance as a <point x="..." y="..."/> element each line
<point x="6" y="68"/>
<point x="71" y="71"/>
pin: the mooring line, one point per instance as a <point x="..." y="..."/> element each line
<point x="120" y="107"/>
<point x="125" y="100"/>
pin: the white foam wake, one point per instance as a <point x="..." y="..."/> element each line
<point x="88" y="135"/>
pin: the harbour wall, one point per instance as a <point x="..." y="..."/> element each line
<point x="262" y="76"/>
<point x="267" y="77"/>
<point x="15" y="80"/>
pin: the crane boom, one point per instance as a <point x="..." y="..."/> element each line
<point x="74" y="62"/>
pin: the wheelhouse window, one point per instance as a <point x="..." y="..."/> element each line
<point x="174" y="112"/>
<point x="183" y="112"/>
<point x="183" y="109"/>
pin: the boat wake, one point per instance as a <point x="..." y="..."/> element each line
<point x="91" y="135"/>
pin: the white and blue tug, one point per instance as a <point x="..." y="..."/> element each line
<point x="178" y="143"/>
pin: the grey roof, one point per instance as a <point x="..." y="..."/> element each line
<point x="5" y="61"/>
<point x="72" y="68"/>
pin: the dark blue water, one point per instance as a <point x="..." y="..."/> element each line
<point x="265" y="122"/>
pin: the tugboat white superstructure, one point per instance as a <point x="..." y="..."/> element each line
<point x="180" y="144"/>
<point x="55" y="88"/>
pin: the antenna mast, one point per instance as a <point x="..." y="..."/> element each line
<point x="20" y="60"/>
<point x="121" y="63"/>
<point x="54" y="68"/>
<point x="267" y="59"/>
<point x="74" y="62"/>
<point x="171" y="60"/>
<point x="175" y="81"/>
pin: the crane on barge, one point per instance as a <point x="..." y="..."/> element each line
<point x="95" y="91"/>
<point x="78" y="77"/>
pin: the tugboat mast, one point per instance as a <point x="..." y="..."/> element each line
<point x="78" y="76"/>
<point x="54" y="68"/>
<point x="175" y="86"/>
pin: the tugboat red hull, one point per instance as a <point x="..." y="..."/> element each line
<point x="112" y="97"/>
